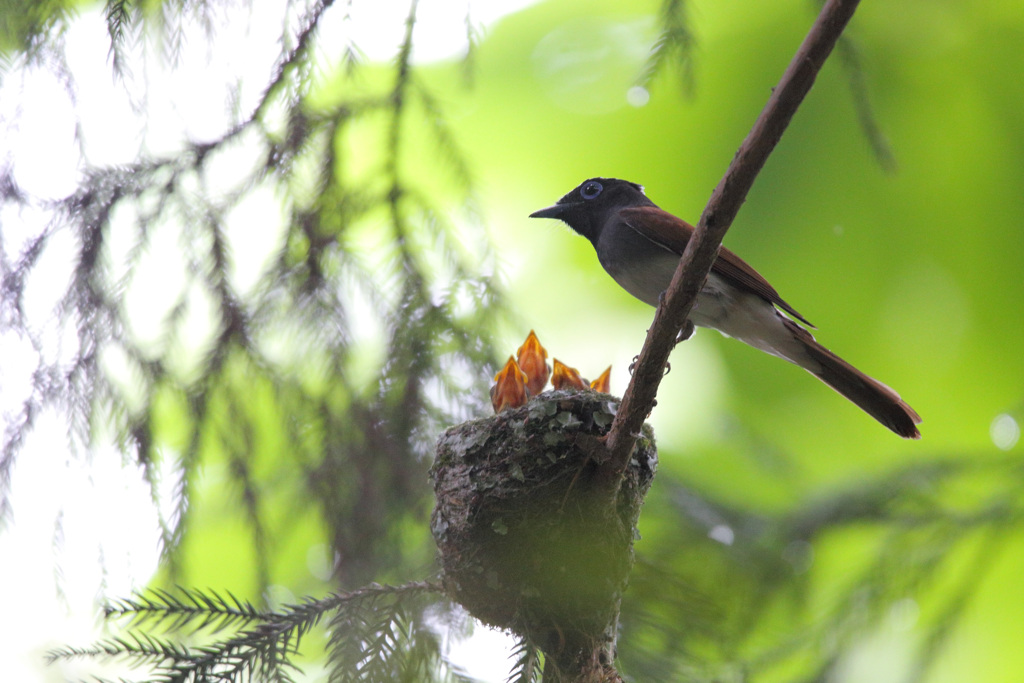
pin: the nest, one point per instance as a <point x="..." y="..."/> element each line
<point x="531" y="536"/>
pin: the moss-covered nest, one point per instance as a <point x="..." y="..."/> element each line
<point x="531" y="536"/>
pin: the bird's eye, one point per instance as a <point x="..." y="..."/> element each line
<point x="591" y="189"/>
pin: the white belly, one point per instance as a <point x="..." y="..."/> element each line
<point x="720" y="306"/>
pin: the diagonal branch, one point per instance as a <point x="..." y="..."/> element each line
<point x="702" y="249"/>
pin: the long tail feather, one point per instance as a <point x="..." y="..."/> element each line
<point x="873" y="397"/>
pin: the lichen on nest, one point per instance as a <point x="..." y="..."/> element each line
<point x="529" y="539"/>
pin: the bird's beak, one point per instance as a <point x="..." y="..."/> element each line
<point x="554" y="211"/>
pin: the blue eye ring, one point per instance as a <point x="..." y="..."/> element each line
<point x="591" y="189"/>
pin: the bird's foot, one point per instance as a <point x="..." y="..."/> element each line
<point x="636" y="359"/>
<point x="686" y="332"/>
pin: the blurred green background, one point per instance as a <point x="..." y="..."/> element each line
<point x="788" y="537"/>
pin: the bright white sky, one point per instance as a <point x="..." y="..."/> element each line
<point x="86" y="527"/>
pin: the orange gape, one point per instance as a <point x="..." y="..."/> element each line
<point x="526" y="377"/>
<point x="532" y="360"/>
<point x="565" y="377"/>
<point x="509" y="390"/>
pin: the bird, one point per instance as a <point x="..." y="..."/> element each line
<point x="565" y="377"/>
<point x="639" y="245"/>
<point x="603" y="383"/>
<point x="532" y="359"/>
<point x="509" y="390"/>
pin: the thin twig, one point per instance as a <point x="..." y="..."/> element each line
<point x="702" y="249"/>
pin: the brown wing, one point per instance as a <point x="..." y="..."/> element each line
<point x="673" y="233"/>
